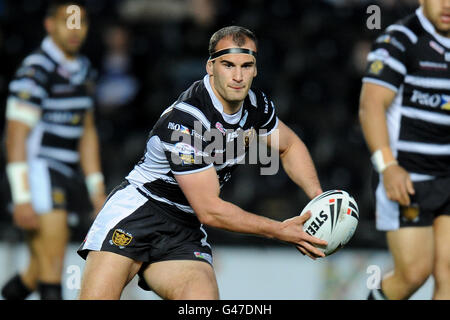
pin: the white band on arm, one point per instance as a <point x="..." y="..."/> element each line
<point x="94" y="183"/>
<point x="21" y="111"/>
<point x="382" y="159"/>
<point x="18" y="180"/>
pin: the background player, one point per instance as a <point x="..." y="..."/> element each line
<point x="405" y="116"/>
<point x="50" y="132"/>
<point x="152" y="224"/>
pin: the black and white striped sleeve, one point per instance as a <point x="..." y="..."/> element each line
<point x="387" y="60"/>
<point x="29" y="84"/>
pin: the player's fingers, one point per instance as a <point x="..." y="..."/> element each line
<point x="304" y="217"/>
<point x="403" y="198"/>
<point x="393" y="193"/>
<point x="301" y="250"/>
<point x="305" y="252"/>
<point x="314" y="240"/>
<point x="311" y="249"/>
<point x="410" y="186"/>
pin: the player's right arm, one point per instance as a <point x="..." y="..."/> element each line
<point x="202" y="191"/>
<point x="17" y="170"/>
<point x="22" y="113"/>
<point x="384" y="75"/>
<point x="374" y="102"/>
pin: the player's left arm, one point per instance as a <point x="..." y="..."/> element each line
<point x="295" y="158"/>
<point x="89" y="149"/>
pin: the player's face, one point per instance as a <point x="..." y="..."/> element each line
<point x="438" y="12"/>
<point x="68" y="38"/>
<point x="232" y="74"/>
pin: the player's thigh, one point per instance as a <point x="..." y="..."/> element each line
<point x="441" y="227"/>
<point x="106" y="274"/>
<point x="182" y="280"/>
<point x="412" y="249"/>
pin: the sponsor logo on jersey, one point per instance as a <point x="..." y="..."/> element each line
<point x="186" y="153"/>
<point x="266" y="103"/>
<point x="121" y="238"/>
<point x="436" y="100"/>
<point x="185" y="130"/>
<point x="63" y="117"/>
<point x="178" y="127"/>
<point x="203" y="255"/>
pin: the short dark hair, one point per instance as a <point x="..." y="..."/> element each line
<point x="238" y="34"/>
<point x="53" y="5"/>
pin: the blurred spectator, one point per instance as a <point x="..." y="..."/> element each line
<point x="116" y="92"/>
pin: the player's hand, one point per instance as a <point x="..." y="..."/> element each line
<point x="398" y="184"/>
<point x="25" y="217"/>
<point x="293" y="232"/>
<point x="98" y="200"/>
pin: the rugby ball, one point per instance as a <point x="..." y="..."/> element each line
<point x="334" y="218"/>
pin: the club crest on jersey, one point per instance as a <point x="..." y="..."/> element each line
<point x="376" y="67"/>
<point x="249" y="135"/>
<point x="121" y="238"/>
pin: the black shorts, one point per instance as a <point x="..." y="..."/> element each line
<point x="134" y="226"/>
<point x="55" y="186"/>
<point x="431" y="199"/>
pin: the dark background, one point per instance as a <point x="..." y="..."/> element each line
<point x="310" y="61"/>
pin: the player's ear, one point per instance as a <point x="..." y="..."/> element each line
<point x="209" y="67"/>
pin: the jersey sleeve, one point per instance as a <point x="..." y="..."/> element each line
<point x="267" y="117"/>
<point x="183" y="142"/>
<point x="387" y="60"/>
<point x="30" y="83"/>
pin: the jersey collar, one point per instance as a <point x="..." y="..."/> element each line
<point x="229" y="118"/>
<point x="428" y="26"/>
<point x="49" y="46"/>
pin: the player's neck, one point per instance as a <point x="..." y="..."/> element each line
<point x="231" y="108"/>
<point x="69" y="56"/>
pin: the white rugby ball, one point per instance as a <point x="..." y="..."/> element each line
<point x="334" y="218"/>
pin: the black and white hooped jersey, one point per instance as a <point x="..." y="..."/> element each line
<point x="413" y="60"/>
<point x="194" y="134"/>
<point x="62" y="90"/>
